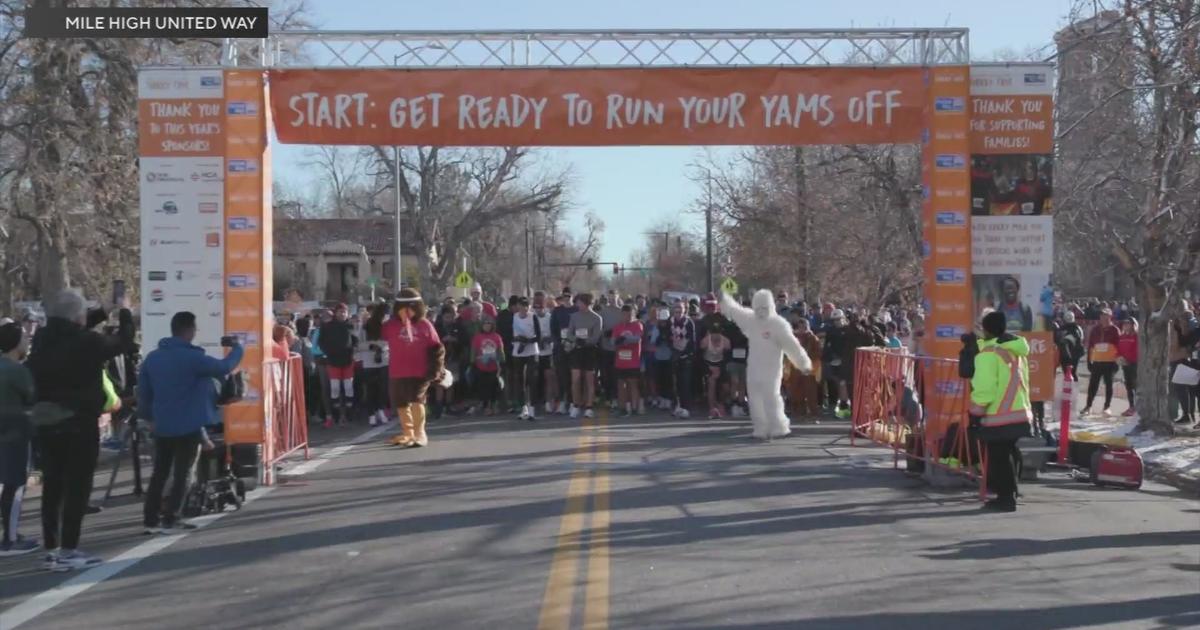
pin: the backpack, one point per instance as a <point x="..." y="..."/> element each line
<point x="232" y="389"/>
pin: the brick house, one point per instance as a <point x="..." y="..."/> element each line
<point x="337" y="259"/>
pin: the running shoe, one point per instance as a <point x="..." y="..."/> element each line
<point x="19" y="547"/>
<point x="588" y="413"/>
<point x="72" y="560"/>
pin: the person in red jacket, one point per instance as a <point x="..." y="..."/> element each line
<point x="487" y="355"/>
<point x="1127" y="356"/>
<point x="1102" y="343"/>
<point x="416" y="358"/>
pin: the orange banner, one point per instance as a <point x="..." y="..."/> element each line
<point x="948" y="240"/>
<point x="1043" y="361"/>
<point x="1012" y="124"/>
<point x="599" y="107"/>
<point x="247" y="248"/>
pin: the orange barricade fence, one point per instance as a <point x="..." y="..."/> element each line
<point x="917" y="406"/>
<point x="286" y="430"/>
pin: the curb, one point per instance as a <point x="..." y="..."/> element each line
<point x="1187" y="484"/>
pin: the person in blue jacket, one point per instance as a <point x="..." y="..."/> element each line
<point x="177" y="393"/>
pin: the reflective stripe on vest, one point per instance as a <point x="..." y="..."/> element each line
<point x="1005" y="414"/>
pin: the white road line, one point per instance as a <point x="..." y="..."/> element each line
<point x="37" y="605"/>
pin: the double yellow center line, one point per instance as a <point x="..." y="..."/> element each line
<point x="588" y="481"/>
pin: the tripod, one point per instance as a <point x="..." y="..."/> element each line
<point x="132" y="437"/>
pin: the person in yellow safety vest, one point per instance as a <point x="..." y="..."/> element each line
<point x="1000" y="411"/>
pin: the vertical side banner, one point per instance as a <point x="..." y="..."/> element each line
<point x="247" y="257"/>
<point x="181" y="162"/>
<point x="1012" y="204"/>
<point x="947" y="263"/>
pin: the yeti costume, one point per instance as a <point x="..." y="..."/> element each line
<point x="770" y="337"/>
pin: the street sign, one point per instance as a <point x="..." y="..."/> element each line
<point x="463" y="280"/>
<point x="728" y="285"/>
<point x="372" y="282"/>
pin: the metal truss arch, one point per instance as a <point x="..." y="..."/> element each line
<point x="604" y="48"/>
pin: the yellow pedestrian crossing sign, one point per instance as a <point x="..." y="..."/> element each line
<point x="463" y="280"/>
<point x="728" y="285"/>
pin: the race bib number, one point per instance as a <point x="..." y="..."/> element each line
<point x="739" y="353"/>
<point x="581" y="333"/>
<point x="489" y="352"/>
<point x="625" y="355"/>
<point x="1104" y="353"/>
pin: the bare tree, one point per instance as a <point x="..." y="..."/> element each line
<point x="68" y="131"/>
<point x="451" y="196"/>
<point x="840" y="222"/>
<point x="1137" y="179"/>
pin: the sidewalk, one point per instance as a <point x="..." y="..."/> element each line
<point x="1172" y="460"/>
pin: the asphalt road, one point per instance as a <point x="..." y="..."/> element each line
<point x="643" y="523"/>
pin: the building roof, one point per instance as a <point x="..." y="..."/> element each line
<point x="307" y="236"/>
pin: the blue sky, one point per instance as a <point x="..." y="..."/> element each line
<point x="634" y="187"/>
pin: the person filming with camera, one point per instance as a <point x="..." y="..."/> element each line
<point x="177" y="394"/>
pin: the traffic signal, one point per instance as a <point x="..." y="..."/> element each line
<point x="591" y="264"/>
<point x="616" y="269"/>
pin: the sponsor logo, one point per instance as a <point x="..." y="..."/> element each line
<point x="243" y="281"/>
<point x="244" y="312"/>
<point x="180" y="275"/>
<point x="212" y="239"/>
<point x="169" y="207"/>
<point x="243" y="224"/>
<point x="951" y="307"/>
<point x="205" y="176"/>
<point x="949" y="104"/>
<point x="153" y="314"/>
<point x="925" y="136"/>
<point x="242" y="108"/>
<point x="946" y="161"/>
<point x="950" y="275"/>
<point x="243" y="198"/>
<point x="186" y="295"/>
<point x="1035" y="78"/>
<point x="158" y="176"/>
<point x="926" y="250"/>
<point x="214" y="295"/>
<point x="950" y="331"/>
<point x="210" y="80"/>
<point x="949" y="387"/>
<point x="155" y="242"/>
<point x="243" y="255"/>
<point x="927" y="305"/>
<point x="207" y="207"/>
<point x="156" y="295"/>
<point x="951" y="218"/>
<point x="243" y="166"/>
<point x="157" y="276"/>
<point x="250" y="140"/>
<point x="216" y="275"/>
<point x="215" y="314"/>
<point x="925" y="191"/>
<point x="248" y="339"/>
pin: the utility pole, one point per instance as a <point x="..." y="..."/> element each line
<point x="802" y="220"/>
<point x="398" y="266"/>
<point x="708" y="234"/>
<point x="528" y="265"/>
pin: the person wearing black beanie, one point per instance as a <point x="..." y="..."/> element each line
<point x="1000" y="409"/>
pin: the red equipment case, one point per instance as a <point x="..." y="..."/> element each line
<point x="1120" y="467"/>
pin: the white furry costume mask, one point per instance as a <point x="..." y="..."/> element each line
<point x="764" y="304"/>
